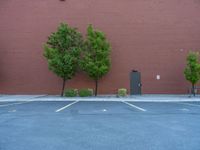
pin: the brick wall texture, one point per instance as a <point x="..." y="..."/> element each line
<point x="151" y="36"/>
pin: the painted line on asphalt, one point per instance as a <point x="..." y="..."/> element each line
<point x="19" y="103"/>
<point x="196" y="105"/>
<point x="134" y="106"/>
<point x="62" y="108"/>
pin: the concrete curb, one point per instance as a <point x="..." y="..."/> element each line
<point x="143" y="98"/>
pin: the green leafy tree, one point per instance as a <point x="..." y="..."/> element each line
<point x="192" y="70"/>
<point x="96" y="55"/>
<point x="62" y="52"/>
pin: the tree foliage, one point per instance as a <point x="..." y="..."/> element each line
<point x="62" y="52"/>
<point x="96" y="55"/>
<point x="192" y="70"/>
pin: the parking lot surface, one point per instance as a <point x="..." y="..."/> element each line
<point x="89" y="125"/>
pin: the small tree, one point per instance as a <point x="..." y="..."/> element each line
<point x="192" y="70"/>
<point x="62" y="52"/>
<point x="95" y="58"/>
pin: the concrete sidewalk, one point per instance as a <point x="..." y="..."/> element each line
<point x="142" y="98"/>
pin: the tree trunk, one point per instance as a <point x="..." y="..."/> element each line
<point x="63" y="87"/>
<point x="96" y="87"/>
<point x="193" y="90"/>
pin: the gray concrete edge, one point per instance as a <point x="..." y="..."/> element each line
<point x="142" y="98"/>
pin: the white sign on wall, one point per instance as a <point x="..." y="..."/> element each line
<point x="158" y="77"/>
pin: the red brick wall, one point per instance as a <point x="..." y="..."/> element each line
<point x="150" y="36"/>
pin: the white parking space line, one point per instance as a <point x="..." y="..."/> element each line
<point x="134" y="106"/>
<point x="60" y="109"/>
<point x="196" y="105"/>
<point x="19" y="103"/>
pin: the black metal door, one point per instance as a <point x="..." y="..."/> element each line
<point x="135" y="83"/>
